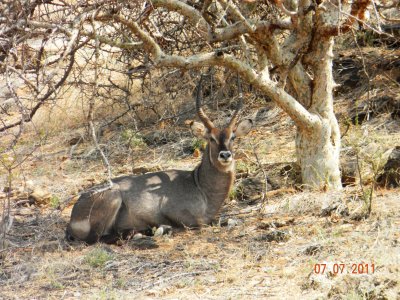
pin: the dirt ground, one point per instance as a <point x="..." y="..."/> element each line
<point x="292" y="245"/>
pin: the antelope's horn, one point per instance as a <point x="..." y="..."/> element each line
<point x="203" y="117"/>
<point x="239" y="106"/>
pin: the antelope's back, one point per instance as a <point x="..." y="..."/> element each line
<point x="168" y="198"/>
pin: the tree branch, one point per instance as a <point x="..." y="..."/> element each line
<point x="148" y="41"/>
<point x="232" y="8"/>
<point x="43" y="99"/>
<point x="182" y="8"/>
<point x="242" y="26"/>
<point x="105" y="40"/>
<point x="296" y="111"/>
<point x="239" y="28"/>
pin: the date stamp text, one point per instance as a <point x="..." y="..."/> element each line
<point x="341" y="268"/>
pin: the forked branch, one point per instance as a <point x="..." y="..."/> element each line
<point x="296" y="111"/>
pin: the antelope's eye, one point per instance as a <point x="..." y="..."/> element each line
<point x="213" y="140"/>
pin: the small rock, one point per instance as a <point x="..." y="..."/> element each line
<point x="336" y="206"/>
<point x="137" y="236"/>
<point x="312" y="249"/>
<point x="232" y="223"/>
<point x="240" y="235"/>
<point x="212" y="239"/>
<point x="75" y="140"/>
<point x="144" y="243"/>
<point x="39" y="196"/>
<point x="159" y="232"/>
<point x="276" y="223"/>
<point x="163" y="230"/>
<point x="391" y="171"/>
<point x="276" y="235"/>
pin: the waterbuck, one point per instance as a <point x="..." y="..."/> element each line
<point x="175" y="198"/>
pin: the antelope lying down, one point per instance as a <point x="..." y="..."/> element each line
<point x="175" y="198"/>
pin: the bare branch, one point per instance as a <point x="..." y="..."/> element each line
<point x="239" y="28"/>
<point x="182" y="8"/>
<point x="112" y="43"/>
<point x="77" y="24"/>
<point x="21" y="111"/>
<point x="44" y="98"/>
<point x="294" y="109"/>
<point x="20" y="75"/>
<point x="147" y="40"/>
<point x="232" y="8"/>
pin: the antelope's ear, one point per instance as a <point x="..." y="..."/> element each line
<point x="244" y="127"/>
<point x="198" y="130"/>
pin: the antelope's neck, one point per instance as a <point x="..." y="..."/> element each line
<point x="213" y="183"/>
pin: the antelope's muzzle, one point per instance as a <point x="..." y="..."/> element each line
<point x="225" y="156"/>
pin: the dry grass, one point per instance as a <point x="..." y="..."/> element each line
<point x="269" y="254"/>
<point x="211" y="263"/>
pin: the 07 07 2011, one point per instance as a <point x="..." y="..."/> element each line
<point x="341" y="268"/>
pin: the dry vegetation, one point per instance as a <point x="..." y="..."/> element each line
<point x="256" y="250"/>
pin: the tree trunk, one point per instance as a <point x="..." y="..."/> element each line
<point x="318" y="157"/>
<point x="318" y="148"/>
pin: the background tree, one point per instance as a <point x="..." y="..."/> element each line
<point x="281" y="49"/>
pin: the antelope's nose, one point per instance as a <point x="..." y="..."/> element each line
<point x="225" y="155"/>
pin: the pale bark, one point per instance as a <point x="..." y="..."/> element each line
<point x="318" y="150"/>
